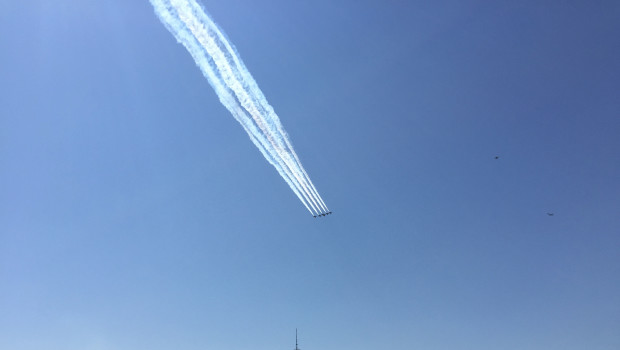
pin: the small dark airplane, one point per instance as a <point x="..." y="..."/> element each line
<point x="550" y="214"/>
<point x="496" y="157"/>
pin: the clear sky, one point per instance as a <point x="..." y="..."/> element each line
<point x="135" y="213"/>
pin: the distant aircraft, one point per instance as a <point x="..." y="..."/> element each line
<point x="496" y="157"/>
<point x="550" y="214"/>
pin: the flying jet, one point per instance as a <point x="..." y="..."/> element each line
<point x="496" y="157"/>
<point x="550" y="214"/>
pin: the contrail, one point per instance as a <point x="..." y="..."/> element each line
<point x="259" y="99"/>
<point x="238" y="92"/>
<point x="229" y="63"/>
<point x="225" y="97"/>
<point x="224" y="58"/>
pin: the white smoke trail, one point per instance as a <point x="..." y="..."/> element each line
<point x="233" y="82"/>
<point x="202" y="29"/>
<point x="266" y="110"/>
<point x="201" y="32"/>
<point x="259" y="107"/>
<point x="202" y="60"/>
<point x="195" y="37"/>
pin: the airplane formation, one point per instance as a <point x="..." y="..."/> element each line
<point x="322" y="214"/>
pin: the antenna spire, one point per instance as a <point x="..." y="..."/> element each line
<point x="296" y="345"/>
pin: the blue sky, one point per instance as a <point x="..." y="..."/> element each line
<point x="136" y="213"/>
